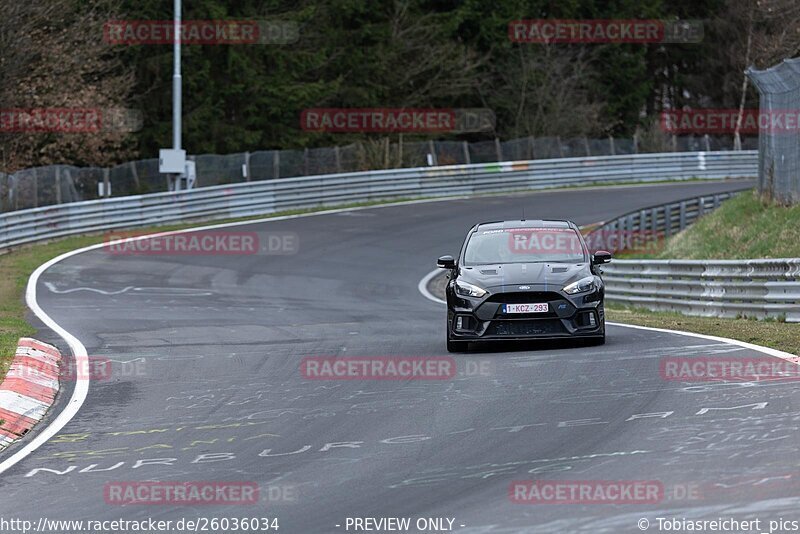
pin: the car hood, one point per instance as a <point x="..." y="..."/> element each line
<point x="509" y="276"/>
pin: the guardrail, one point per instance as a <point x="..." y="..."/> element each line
<point x="263" y="197"/>
<point x="718" y="288"/>
<point x="646" y="228"/>
<point x="763" y="288"/>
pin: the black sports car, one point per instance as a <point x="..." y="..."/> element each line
<point x="517" y="280"/>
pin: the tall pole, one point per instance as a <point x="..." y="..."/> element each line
<point x="176" y="79"/>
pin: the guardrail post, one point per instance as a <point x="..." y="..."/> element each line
<point x="642" y="226"/>
<point x="668" y="221"/>
<point x="498" y="148"/>
<point x="683" y="215"/>
<point x="465" y="147"/>
<point x="701" y="207"/>
<point x="276" y="164"/>
<point x="629" y="228"/>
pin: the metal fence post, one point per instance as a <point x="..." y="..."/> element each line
<point x="106" y="182"/>
<point x="135" y="175"/>
<point x="58" y="185"/>
<point x="276" y="164"/>
<point x="35" y="189"/>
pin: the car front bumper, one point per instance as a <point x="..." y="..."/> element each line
<point x="569" y="316"/>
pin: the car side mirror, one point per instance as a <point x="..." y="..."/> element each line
<point x="446" y="262"/>
<point x="601" y="256"/>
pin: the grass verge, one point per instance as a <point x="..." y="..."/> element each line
<point x="743" y="227"/>
<point x="773" y="334"/>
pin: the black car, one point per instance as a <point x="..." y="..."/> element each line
<point x="519" y="280"/>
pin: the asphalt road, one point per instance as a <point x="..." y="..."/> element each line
<point x="206" y="386"/>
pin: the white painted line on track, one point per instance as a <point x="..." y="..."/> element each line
<point x="423" y="288"/>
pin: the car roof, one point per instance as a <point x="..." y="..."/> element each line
<point x="526" y="223"/>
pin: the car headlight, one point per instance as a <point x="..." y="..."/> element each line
<point x="581" y="286"/>
<point x="469" y="290"/>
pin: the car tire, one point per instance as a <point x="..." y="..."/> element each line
<point x="457" y="346"/>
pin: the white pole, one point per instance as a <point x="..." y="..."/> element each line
<point x="176" y="79"/>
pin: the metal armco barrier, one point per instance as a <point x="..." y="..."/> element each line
<point x="643" y="228"/>
<point x="263" y="197"/>
<point x="718" y="288"/>
<point x="768" y="288"/>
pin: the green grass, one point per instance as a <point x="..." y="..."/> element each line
<point x="773" y="334"/>
<point x="743" y="227"/>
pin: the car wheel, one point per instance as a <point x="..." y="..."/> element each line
<point x="457" y="346"/>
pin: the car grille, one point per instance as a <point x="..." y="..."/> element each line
<point x="523" y="297"/>
<point x="525" y="328"/>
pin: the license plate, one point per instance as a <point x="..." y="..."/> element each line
<point x="542" y="307"/>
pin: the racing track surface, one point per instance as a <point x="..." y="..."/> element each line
<point x="212" y="390"/>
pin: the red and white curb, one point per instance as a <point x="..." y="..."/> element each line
<point x="29" y="389"/>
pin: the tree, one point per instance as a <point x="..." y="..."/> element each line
<point x="52" y="55"/>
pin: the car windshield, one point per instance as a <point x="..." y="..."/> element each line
<point x="524" y="245"/>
